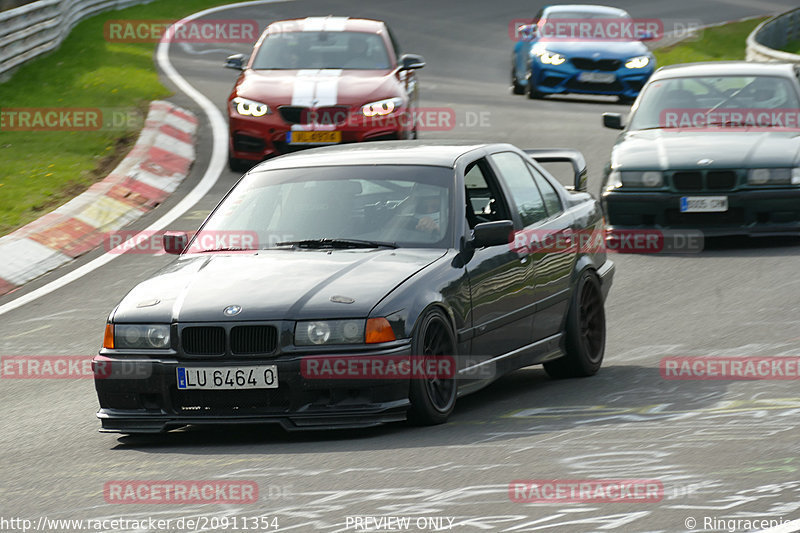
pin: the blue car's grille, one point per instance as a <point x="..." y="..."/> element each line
<point x="585" y="63"/>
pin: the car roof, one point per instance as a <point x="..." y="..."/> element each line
<point x="724" y="68"/>
<point x="430" y="153"/>
<point x="329" y="23"/>
<point x="586" y="8"/>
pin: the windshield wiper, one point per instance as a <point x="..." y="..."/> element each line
<point x="337" y="243"/>
<point x="204" y="250"/>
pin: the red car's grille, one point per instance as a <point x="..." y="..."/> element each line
<point x="333" y="115"/>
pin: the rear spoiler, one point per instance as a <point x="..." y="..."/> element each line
<point x="564" y="155"/>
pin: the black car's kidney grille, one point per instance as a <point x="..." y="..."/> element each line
<point x="712" y="180"/>
<point x="253" y="339"/>
<point x="203" y="340"/>
<point x="721" y="180"/>
<point x="585" y="63"/>
<point x="306" y="115"/>
<point x="688" y="181"/>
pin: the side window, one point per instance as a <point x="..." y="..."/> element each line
<point x="552" y="201"/>
<point x="514" y="170"/>
<point x="484" y="201"/>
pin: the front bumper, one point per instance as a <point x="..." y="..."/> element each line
<point x="149" y="401"/>
<point x="750" y="212"/>
<point x="256" y="138"/>
<point x="565" y="78"/>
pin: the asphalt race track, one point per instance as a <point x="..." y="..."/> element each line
<point x="720" y="449"/>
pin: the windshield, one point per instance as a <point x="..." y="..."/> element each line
<point x="322" y="49"/>
<point x="722" y="101"/>
<point x="401" y="205"/>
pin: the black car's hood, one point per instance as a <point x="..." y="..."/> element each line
<point x="681" y="149"/>
<point x="272" y="285"/>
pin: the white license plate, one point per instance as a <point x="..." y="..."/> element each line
<point x="597" y="77"/>
<point x="704" y="204"/>
<point x="228" y="377"/>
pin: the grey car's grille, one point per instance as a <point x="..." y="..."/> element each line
<point x="203" y="340"/>
<point x="696" y="180"/>
<point x="688" y="181"/>
<point x="253" y="339"/>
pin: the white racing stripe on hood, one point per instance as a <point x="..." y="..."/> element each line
<point x="320" y="85"/>
<point x="316" y="88"/>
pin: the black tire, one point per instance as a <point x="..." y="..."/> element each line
<point x="432" y="400"/>
<point x="586" y="332"/>
<point x="516" y="88"/>
<point x="531" y="91"/>
<point x="240" y="165"/>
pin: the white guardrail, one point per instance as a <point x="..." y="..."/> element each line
<point x="37" y="28"/>
<point x="777" y="32"/>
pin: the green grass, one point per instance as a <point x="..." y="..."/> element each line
<point x="719" y="43"/>
<point x="41" y="170"/>
<point x="793" y="47"/>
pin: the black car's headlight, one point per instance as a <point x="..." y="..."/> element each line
<point x="348" y="331"/>
<point x="318" y="332"/>
<point x="637" y="62"/>
<point x="249" y="108"/>
<point x="381" y="107"/>
<point x="635" y="178"/>
<point x="137" y="336"/>
<point x="773" y="176"/>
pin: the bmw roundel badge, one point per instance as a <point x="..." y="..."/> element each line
<point x="232" y="310"/>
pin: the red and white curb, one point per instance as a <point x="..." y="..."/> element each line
<point x="153" y="169"/>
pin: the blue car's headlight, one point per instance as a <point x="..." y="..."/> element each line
<point x="318" y="332"/>
<point x="637" y="62"/>
<point x="550" y="58"/>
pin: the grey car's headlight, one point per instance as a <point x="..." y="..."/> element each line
<point x="636" y="178"/>
<point x="550" y="58"/>
<point x="141" y="336"/>
<point x="773" y="176"/>
<point x="249" y="108"/>
<point x="319" y="332"/>
<point x="637" y="62"/>
<point x="381" y="107"/>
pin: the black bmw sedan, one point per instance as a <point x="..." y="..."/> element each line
<point x="355" y="285"/>
<point x="709" y="146"/>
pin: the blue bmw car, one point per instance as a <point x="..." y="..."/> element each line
<point x="583" y="49"/>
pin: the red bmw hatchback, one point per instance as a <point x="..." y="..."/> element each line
<point x="320" y="81"/>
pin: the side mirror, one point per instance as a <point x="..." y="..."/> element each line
<point x="411" y="62"/>
<point x="492" y="233"/>
<point x="175" y="242"/>
<point x="235" y="61"/>
<point x="564" y="155"/>
<point x="613" y="121"/>
<point x="528" y="32"/>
